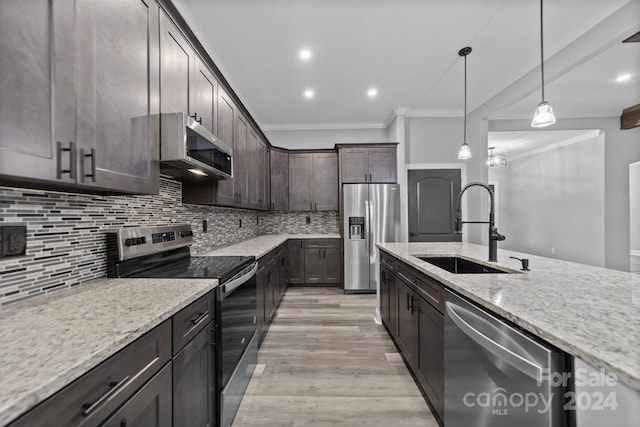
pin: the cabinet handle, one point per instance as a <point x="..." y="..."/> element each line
<point x="365" y="177"/>
<point x="407" y="278"/>
<point x="115" y="387"/>
<point x="413" y="309"/>
<point x="408" y="296"/>
<point x="200" y="318"/>
<point x="370" y="179"/>
<point x="92" y="156"/>
<point x="123" y="423"/>
<point x="195" y="117"/>
<point x="72" y="159"/>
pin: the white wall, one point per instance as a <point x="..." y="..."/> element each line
<point x="634" y="207"/>
<point x="324" y="138"/>
<point x="621" y="148"/>
<point x="555" y="200"/>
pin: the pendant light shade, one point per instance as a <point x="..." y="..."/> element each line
<point x="544" y="112"/>
<point x="464" y="153"/>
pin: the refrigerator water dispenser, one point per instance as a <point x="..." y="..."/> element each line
<point x="356" y="228"/>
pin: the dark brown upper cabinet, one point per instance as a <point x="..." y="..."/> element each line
<point x="87" y="123"/>
<point x="187" y="83"/>
<point x="279" y="180"/>
<point x="313" y="181"/>
<point x="367" y="163"/>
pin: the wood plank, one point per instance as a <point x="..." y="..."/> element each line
<point x="324" y="362"/>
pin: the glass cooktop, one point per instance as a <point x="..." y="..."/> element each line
<point x="200" y="267"/>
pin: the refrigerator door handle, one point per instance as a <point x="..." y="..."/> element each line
<point x="371" y="222"/>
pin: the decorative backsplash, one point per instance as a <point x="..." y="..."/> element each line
<point x="66" y="233"/>
<point x="296" y="222"/>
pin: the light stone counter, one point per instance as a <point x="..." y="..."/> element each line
<point x="49" y="341"/>
<point x="262" y="245"/>
<point x="589" y="312"/>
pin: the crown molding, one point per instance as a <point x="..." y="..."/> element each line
<point x="324" y="126"/>
<point x="435" y="113"/>
<point x="588" y="134"/>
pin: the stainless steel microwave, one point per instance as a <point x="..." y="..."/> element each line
<point x="189" y="151"/>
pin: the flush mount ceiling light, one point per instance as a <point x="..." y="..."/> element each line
<point x="464" y="152"/>
<point x="495" y="161"/>
<point x="305" y="54"/>
<point x="544" y="112"/>
<point x="623" y="78"/>
<point x="372" y="93"/>
<point x="308" y="93"/>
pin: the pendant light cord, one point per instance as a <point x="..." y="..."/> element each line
<point x="541" y="51"/>
<point x="465" y="100"/>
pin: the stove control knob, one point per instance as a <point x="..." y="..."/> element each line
<point x="186" y="233"/>
<point x="141" y="240"/>
<point x="129" y="242"/>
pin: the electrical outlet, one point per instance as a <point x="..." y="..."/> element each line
<point x="308" y="220"/>
<point x="240" y="223"/>
<point x="204" y="225"/>
<point x="13" y="240"/>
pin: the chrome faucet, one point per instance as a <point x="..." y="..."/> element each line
<point x="494" y="236"/>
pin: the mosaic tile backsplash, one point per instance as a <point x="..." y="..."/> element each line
<point x="66" y="233"/>
<point x="296" y="222"/>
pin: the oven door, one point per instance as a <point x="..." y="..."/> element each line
<point x="236" y="321"/>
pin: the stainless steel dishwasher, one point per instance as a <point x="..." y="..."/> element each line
<point x="496" y="375"/>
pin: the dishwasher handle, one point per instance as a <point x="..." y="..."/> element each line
<point x="454" y="312"/>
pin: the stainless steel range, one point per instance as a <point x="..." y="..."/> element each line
<point x="163" y="252"/>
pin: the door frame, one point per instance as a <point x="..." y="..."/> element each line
<point x="426" y="166"/>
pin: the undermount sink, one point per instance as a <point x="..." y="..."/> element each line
<point x="457" y="265"/>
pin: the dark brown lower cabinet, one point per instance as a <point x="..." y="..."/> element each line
<point x="295" y="257"/>
<point x="322" y="261"/>
<point x="407" y="325"/>
<point x="429" y="362"/>
<point x="271" y="284"/>
<point x="193" y="382"/>
<point x="149" y="407"/>
<point x="417" y="327"/>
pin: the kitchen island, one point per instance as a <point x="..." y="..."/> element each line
<point x="589" y="312"/>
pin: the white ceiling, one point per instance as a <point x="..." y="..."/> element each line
<point x="407" y="49"/>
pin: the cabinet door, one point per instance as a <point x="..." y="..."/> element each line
<point x="301" y="181"/>
<point x="406" y="334"/>
<point x="279" y="180"/>
<point x="332" y="260"/>
<point x="393" y="305"/>
<point x="31" y="31"/>
<point x="268" y="297"/>
<point x="117" y="94"/>
<point x="325" y="181"/>
<point x="193" y="376"/>
<point x="263" y="176"/>
<point x="261" y="285"/>
<point x="384" y="296"/>
<point x="242" y="159"/>
<point x="354" y="165"/>
<point x="149" y="407"/>
<point x="225" y="192"/>
<point x="204" y="96"/>
<point x="313" y="266"/>
<point x="429" y="366"/>
<point x="177" y="64"/>
<point x="382" y="165"/>
<point x="252" y="169"/>
<point x="295" y="255"/>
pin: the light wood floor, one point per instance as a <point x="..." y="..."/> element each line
<point x="324" y="362"/>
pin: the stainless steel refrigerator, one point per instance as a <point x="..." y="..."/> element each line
<point x="371" y="214"/>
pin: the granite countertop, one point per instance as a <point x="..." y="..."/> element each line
<point x="262" y="245"/>
<point x="589" y="312"/>
<point x="49" y="341"/>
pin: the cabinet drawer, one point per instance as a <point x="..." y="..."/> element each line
<point x="90" y="399"/>
<point x="431" y="290"/>
<point x="191" y="319"/>
<point x="321" y="243"/>
<point x="387" y="261"/>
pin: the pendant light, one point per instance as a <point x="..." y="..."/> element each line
<point x="544" y="112"/>
<point x="464" y="152"/>
<point x="495" y="161"/>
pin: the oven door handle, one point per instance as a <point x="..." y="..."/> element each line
<point x="234" y="284"/>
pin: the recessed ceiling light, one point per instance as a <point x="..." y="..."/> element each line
<point x="308" y="93"/>
<point x="372" y="93"/>
<point x="305" y="54"/>
<point x="623" y="78"/>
